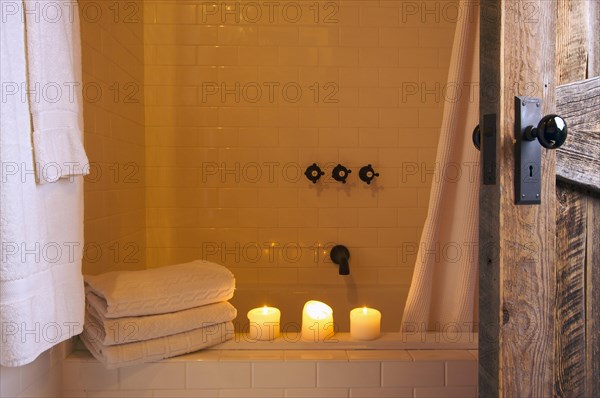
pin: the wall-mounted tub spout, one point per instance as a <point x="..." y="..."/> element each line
<point x="340" y="255"/>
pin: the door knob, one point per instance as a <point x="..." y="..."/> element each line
<point x="551" y="132"/>
<point x="313" y="173"/>
<point x="477" y="137"/>
<point x="340" y="173"/>
<point x="367" y="174"/>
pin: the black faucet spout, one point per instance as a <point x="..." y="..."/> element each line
<point x="344" y="267"/>
<point x="341" y="255"/>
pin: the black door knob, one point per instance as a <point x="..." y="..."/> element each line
<point x="367" y="174"/>
<point x="340" y="173"/>
<point x="477" y="137"/>
<point x="551" y="131"/>
<point x="313" y="173"/>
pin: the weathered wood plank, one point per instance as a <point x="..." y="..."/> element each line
<point x="571" y="220"/>
<point x="571" y="40"/>
<point x="489" y="205"/>
<point x="578" y="164"/>
<point x="578" y="160"/>
<point x="528" y="232"/>
<point x="593" y="61"/>
<point x="593" y="296"/>
<point x="524" y="262"/>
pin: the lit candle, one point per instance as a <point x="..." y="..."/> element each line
<point x="264" y="323"/>
<point x="317" y="321"/>
<point x="365" y="323"/>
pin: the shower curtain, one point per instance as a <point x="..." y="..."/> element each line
<point x="42" y="166"/>
<point x="442" y="294"/>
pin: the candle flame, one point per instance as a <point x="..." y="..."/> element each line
<point x="265" y="310"/>
<point x="318" y="310"/>
<point x="365" y="310"/>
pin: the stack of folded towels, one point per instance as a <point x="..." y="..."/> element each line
<point x="141" y="316"/>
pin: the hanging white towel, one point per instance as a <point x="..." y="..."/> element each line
<point x="54" y="85"/>
<point x="442" y="292"/>
<point x="41" y="228"/>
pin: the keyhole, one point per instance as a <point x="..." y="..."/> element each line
<point x="530" y="171"/>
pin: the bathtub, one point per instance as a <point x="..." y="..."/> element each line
<point x="395" y="365"/>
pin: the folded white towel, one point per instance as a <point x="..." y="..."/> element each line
<point x="161" y="290"/>
<point x="117" y="356"/>
<point x="55" y="94"/>
<point x="130" y="329"/>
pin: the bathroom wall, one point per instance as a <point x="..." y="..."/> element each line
<point x="113" y="72"/>
<point x="282" y="373"/>
<point x="41" y="378"/>
<point x="242" y="97"/>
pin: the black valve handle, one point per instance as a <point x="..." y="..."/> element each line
<point x="551" y="132"/>
<point x="367" y="174"/>
<point x="340" y="173"/>
<point x="313" y="173"/>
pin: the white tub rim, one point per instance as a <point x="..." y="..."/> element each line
<point x="343" y="341"/>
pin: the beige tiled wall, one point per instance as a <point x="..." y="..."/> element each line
<point x="281" y="373"/>
<point x="40" y="378"/>
<point x="113" y="72"/>
<point x="242" y="96"/>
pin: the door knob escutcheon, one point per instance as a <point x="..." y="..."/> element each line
<point x="485" y="141"/>
<point x="550" y="131"/>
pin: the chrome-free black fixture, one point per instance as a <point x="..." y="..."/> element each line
<point x="367" y="174"/>
<point x="340" y="173"/>
<point x="476" y="136"/>
<point x="313" y="173"/>
<point x="340" y="255"/>
<point x="551" y="132"/>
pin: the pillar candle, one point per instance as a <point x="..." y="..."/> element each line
<point x="365" y="323"/>
<point x="264" y="323"/>
<point x="317" y="321"/>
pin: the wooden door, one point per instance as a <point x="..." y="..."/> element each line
<point x="577" y="343"/>
<point x="538" y="295"/>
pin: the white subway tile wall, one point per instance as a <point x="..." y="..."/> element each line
<point x="41" y="378"/>
<point x="241" y="97"/>
<point x="256" y="373"/>
<point x="112" y="38"/>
